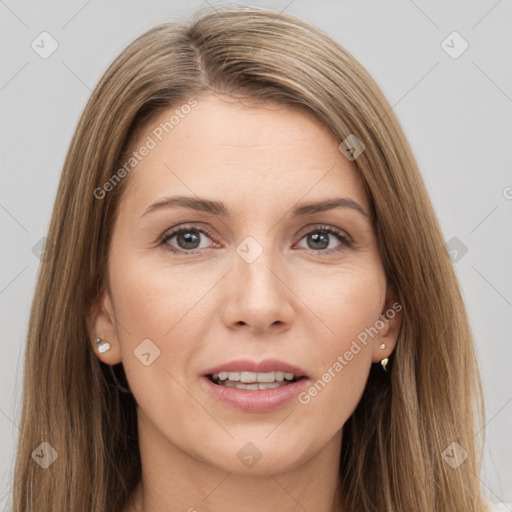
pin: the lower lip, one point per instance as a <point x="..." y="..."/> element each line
<point x="261" y="400"/>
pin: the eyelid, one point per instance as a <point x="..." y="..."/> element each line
<point x="325" y="227"/>
<point x="169" y="233"/>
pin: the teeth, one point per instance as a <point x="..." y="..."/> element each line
<point x="254" y="387"/>
<point x="253" y="377"/>
<point x="249" y="377"/>
<point x="224" y="376"/>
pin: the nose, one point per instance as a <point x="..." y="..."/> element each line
<point x="258" y="295"/>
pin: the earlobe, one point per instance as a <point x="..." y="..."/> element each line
<point x="101" y="346"/>
<point x="102" y="330"/>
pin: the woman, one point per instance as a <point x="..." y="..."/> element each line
<point x="246" y="303"/>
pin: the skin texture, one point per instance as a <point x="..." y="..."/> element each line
<point x="298" y="302"/>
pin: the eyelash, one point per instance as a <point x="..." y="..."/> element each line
<point x="340" y="235"/>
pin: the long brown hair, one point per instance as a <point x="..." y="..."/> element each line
<point x="394" y="444"/>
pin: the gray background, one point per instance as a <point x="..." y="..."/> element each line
<point x="455" y="112"/>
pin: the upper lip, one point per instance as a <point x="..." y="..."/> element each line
<point x="266" y="365"/>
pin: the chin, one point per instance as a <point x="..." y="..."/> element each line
<point x="258" y="454"/>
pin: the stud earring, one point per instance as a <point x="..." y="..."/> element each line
<point x="384" y="361"/>
<point x="101" y="347"/>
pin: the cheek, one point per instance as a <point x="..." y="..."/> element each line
<point x="154" y="306"/>
<point x="153" y="300"/>
<point x="346" y="301"/>
<point x="349" y="306"/>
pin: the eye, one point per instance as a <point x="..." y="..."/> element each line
<point x="187" y="239"/>
<point x="319" y="240"/>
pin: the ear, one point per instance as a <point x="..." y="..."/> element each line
<point x="101" y="324"/>
<point x="388" y="327"/>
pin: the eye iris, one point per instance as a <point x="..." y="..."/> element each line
<point x="190" y="239"/>
<point x="319" y="237"/>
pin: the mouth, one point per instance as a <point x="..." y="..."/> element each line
<point x="254" y="386"/>
<point x="253" y="381"/>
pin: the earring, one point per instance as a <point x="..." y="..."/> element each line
<point x="384" y="361"/>
<point x="101" y="347"/>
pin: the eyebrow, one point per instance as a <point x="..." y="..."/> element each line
<point x="219" y="208"/>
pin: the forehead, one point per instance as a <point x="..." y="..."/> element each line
<point x="224" y="148"/>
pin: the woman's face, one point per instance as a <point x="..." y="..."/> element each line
<point x="243" y="278"/>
